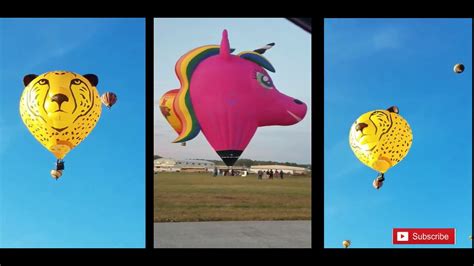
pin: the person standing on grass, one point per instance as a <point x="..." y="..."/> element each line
<point x="281" y="174"/>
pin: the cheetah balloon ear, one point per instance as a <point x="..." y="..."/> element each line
<point x="28" y="78"/>
<point x="93" y="79"/>
<point x="393" y="109"/>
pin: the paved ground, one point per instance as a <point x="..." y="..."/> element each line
<point x="242" y="234"/>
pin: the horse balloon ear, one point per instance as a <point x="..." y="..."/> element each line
<point x="393" y="109"/>
<point x="258" y="59"/>
<point x="28" y="78"/>
<point x="264" y="48"/>
<point x="225" y="46"/>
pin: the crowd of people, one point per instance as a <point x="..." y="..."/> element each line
<point x="269" y="174"/>
<point x="227" y="172"/>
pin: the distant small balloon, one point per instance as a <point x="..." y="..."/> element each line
<point x="56" y="174"/>
<point x="458" y="68"/>
<point x="346" y="243"/>
<point x="377" y="183"/>
<point x="108" y="99"/>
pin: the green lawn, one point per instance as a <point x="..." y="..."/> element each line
<point x="180" y="197"/>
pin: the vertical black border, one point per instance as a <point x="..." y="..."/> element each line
<point x="149" y="144"/>
<point x="317" y="100"/>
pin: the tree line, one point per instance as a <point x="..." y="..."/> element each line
<point x="250" y="162"/>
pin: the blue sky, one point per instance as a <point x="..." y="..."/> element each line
<point x="291" y="57"/>
<point x="374" y="64"/>
<point x="100" y="199"/>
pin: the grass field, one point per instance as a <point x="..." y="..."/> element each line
<point x="180" y="197"/>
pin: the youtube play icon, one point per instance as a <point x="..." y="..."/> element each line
<point x="402" y="236"/>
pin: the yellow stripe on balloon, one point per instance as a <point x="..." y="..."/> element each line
<point x="181" y="108"/>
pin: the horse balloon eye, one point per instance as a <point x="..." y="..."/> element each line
<point x="264" y="80"/>
<point x="43" y="81"/>
<point x="76" y="81"/>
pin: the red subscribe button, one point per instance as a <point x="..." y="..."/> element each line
<point x="424" y="236"/>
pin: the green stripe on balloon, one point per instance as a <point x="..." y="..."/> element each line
<point x="195" y="128"/>
<point x="193" y="63"/>
<point x="258" y="59"/>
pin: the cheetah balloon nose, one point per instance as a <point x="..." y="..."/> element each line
<point x="361" y="126"/>
<point x="59" y="98"/>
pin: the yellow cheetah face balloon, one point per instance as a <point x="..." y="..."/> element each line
<point x="60" y="109"/>
<point x="380" y="139"/>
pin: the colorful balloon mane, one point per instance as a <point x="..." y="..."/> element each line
<point x="227" y="97"/>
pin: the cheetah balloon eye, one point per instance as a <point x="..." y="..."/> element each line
<point x="76" y="81"/>
<point x="43" y="81"/>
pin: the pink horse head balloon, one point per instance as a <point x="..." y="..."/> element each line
<point x="228" y="97"/>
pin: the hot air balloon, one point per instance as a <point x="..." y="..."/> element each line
<point x="378" y="182"/>
<point x="225" y="95"/>
<point x="60" y="109"/>
<point x="458" y="68"/>
<point x="167" y="110"/>
<point x="380" y="139"/>
<point x="346" y="243"/>
<point x="56" y="174"/>
<point x="108" y="99"/>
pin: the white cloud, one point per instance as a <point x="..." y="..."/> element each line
<point x="56" y="46"/>
<point x="341" y="48"/>
<point x="386" y="39"/>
